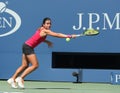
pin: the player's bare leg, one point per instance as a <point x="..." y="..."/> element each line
<point x="24" y="65"/>
<point x="34" y="64"/>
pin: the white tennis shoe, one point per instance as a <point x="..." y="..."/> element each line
<point x="19" y="81"/>
<point x="12" y="83"/>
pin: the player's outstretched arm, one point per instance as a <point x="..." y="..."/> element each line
<point x="59" y="35"/>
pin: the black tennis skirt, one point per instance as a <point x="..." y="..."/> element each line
<point x="27" y="50"/>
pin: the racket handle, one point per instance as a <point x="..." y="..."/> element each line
<point x="79" y="35"/>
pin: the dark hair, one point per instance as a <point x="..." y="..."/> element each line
<point x="45" y="19"/>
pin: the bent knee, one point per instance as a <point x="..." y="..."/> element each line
<point x="35" y="66"/>
<point x="25" y="66"/>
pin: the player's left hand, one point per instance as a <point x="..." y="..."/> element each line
<point x="50" y="44"/>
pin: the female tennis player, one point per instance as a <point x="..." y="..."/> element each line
<point x="29" y="56"/>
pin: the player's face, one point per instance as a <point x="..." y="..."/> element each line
<point x="47" y="24"/>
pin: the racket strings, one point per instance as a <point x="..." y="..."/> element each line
<point x="88" y="32"/>
<point x="91" y="32"/>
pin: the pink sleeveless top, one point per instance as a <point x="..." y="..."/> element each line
<point x="35" y="39"/>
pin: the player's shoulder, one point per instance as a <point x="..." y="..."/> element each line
<point x="41" y="28"/>
<point x="44" y="30"/>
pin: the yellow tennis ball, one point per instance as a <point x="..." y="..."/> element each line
<point x="67" y="39"/>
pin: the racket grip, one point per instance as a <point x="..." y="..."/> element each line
<point x="79" y="35"/>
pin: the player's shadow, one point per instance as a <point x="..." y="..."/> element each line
<point x="48" y="88"/>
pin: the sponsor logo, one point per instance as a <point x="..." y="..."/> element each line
<point x="10" y="21"/>
<point x="103" y="21"/>
<point x="115" y="78"/>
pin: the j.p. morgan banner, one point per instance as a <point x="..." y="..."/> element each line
<point x="96" y="18"/>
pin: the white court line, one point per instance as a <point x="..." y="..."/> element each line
<point x="10" y="92"/>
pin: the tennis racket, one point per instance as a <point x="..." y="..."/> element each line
<point x="88" y="32"/>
